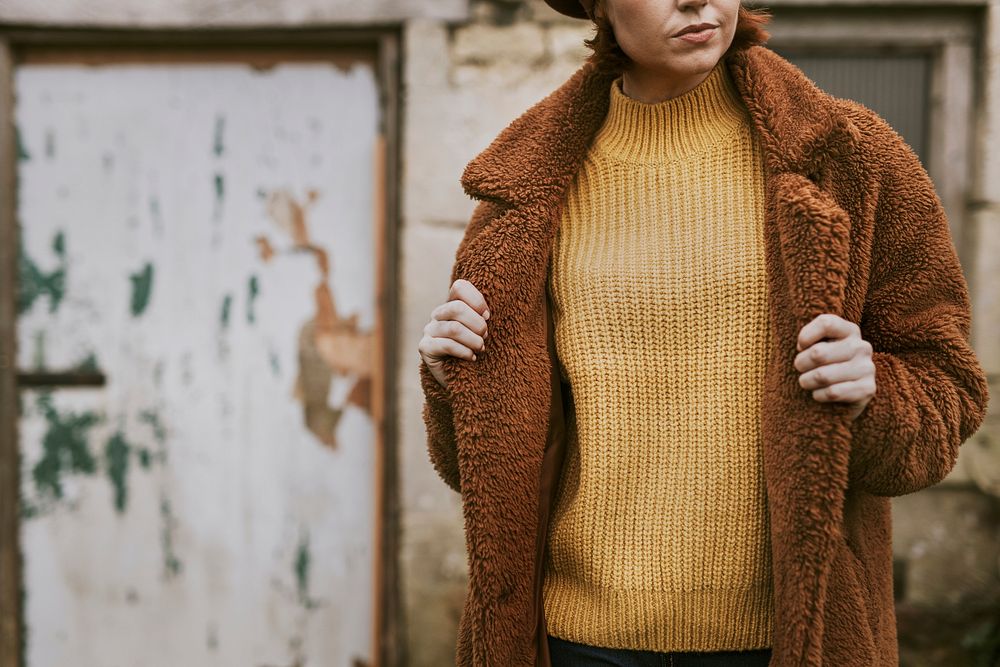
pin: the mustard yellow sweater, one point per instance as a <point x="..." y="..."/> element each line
<point x="659" y="537"/>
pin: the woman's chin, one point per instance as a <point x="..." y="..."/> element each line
<point x="686" y="65"/>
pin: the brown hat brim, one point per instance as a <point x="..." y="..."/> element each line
<point x="572" y="8"/>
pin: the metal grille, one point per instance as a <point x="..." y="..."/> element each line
<point x="895" y="86"/>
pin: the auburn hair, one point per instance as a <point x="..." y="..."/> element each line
<point x="608" y="55"/>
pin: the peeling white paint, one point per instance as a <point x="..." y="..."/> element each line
<point x="205" y="563"/>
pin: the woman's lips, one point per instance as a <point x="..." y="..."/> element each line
<point x="698" y="37"/>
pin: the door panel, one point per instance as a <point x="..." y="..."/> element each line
<point x="202" y="235"/>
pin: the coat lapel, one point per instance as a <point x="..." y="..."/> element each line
<point x="806" y="443"/>
<point x="501" y="402"/>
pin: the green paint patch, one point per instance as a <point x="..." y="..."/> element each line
<point x="34" y="283"/>
<point x="28" y="509"/>
<point x="172" y="565"/>
<point x="147" y="456"/>
<point x="253" y="289"/>
<point x="218" y="145"/>
<point x="303" y="563"/>
<point x="152" y="419"/>
<point x="227" y="308"/>
<point x="220" y="195"/>
<point x="64" y="448"/>
<point x="65" y="451"/>
<point x="88" y="364"/>
<point x="116" y="455"/>
<point x="22" y="151"/>
<point x="142" y="289"/>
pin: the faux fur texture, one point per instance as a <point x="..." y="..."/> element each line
<point x="853" y="227"/>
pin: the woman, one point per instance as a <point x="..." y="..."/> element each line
<point x="705" y="320"/>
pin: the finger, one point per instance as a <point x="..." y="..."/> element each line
<point x="826" y="325"/>
<point x="828" y="352"/>
<point x="456" y="309"/>
<point x="847" y="392"/>
<point x="845" y="371"/>
<point x="442" y="347"/>
<point x="456" y="331"/>
<point x="467" y="292"/>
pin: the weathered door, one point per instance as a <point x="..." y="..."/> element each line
<point x="198" y="340"/>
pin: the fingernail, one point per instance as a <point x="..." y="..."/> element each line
<point x="473" y="356"/>
<point x="486" y="315"/>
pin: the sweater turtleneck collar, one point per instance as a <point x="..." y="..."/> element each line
<point x="641" y="132"/>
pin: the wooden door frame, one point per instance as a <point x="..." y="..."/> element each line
<point x="383" y="45"/>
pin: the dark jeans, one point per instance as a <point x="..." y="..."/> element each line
<point x="571" y="654"/>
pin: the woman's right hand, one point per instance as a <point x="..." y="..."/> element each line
<point x="457" y="328"/>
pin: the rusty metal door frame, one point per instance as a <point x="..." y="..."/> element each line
<point x="10" y="553"/>
<point x="259" y="47"/>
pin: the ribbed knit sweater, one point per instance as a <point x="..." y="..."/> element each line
<point x="659" y="533"/>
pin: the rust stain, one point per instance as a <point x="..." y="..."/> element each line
<point x="331" y="344"/>
<point x="290" y="216"/>
<point x="265" y="248"/>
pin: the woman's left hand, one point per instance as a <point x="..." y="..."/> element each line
<point x="838" y="369"/>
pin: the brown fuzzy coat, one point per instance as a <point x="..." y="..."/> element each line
<point x="853" y="227"/>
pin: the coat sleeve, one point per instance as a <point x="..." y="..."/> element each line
<point x="931" y="392"/>
<point x="437" y="413"/>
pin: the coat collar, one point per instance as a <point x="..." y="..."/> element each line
<point x="537" y="155"/>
